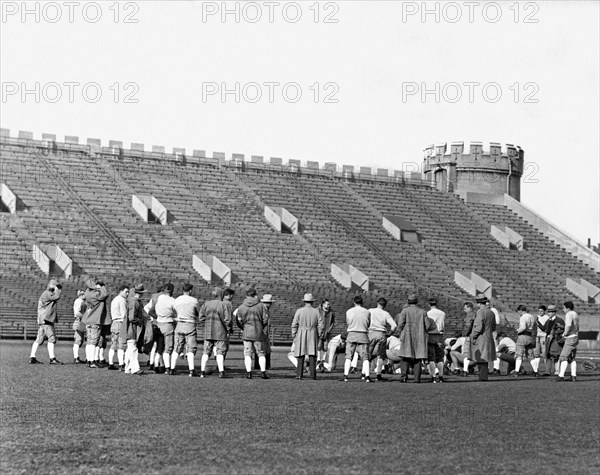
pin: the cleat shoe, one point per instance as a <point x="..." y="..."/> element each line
<point x="362" y="376"/>
<point x="158" y="370"/>
<point x="496" y="371"/>
<point x="404" y="380"/>
<point x="32" y="360"/>
<point x="171" y="372"/>
<point x="368" y="379"/>
<point x="121" y="367"/>
<point x="111" y="367"/>
<point x="558" y="379"/>
<point x="248" y="375"/>
<point x="299" y="378"/>
<point x="263" y="375"/>
<point x="574" y="379"/>
<point x="222" y="375"/>
<point x="151" y="367"/>
<point x="437" y="379"/>
<point x="516" y="375"/>
<point x="380" y="378"/>
<point x="536" y="374"/>
<point x="101" y="364"/>
<point x="92" y="365"/>
<point x="193" y="374"/>
<point x="78" y="361"/>
<point x="346" y="379"/>
<point x="202" y="374"/>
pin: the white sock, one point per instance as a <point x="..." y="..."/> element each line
<point x="497" y="364"/>
<point x="518" y="364"/>
<point x="100" y="353"/>
<point x="563" y="368"/>
<point x="248" y="363"/>
<point x="51" y="350"/>
<point x="535" y="364"/>
<point x="366" y="370"/>
<point x="379" y="365"/>
<point x="347" y="364"/>
<point x="34" y="348"/>
<point x="355" y="360"/>
<point x="174" y="357"/>
<point x="167" y="359"/>
<point x="190" y="359"/>
<point x="121" y="357"/>
<point x="262" y="362"/>
<point x="96" y="353"/>
<point x="152" y="354"/>
<point x="75" y="351"/>
<point x="203" y="362"/>
<point x="111" y="357"/>
<point x="431" y="367"/>
<point x="466" y="365"/>
<point x="221" y="363"/>
<point x="573" y="368"/>
<point x="440" y="369"/>
<point x="89" y="353"/>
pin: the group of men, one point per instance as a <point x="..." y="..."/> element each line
<point x="408" y="343"/>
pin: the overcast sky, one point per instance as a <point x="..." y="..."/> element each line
<point x="352" y="82"/>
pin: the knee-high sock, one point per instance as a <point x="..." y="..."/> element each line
<point x="440" y="367"/>
<point x="293" y="359"/>
<point x="355" y="360"/>
<point x="518" y="362"/>
<point x="466" y="365"/>
<point x="563" y="368"/>
<point x="573" y="368"/>
<point x="379" y="365"/>
<point x="221" y="363"/>
<point x="431" y="367"/>
<point x="96" y="353"/>
<point x="111" y="356"/>
<point x="167" y="359"/>
<point x="190" y="360"/>
<point x="75" y="350"/>
<point x="34" y="348"/>
<point x="174" y="357"/>
<point x="535" y="364"/>
<point x="152" y="354"/>
<point x="89" y="353"/>
<point x="347" y="364"/>
<point x="121" y="357"/>
<point x="366" y="370"/>
<point x="51" y="350"/>
<point x="497" y="364"/>
<point x="262" y="362"/>
<point x="248" y="363"/>
<point x="100" y="354"/>
<point x="203" y="362"/>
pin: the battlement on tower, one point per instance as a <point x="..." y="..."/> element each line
<point x="476" y="167"/>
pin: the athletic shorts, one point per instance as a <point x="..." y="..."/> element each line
<point x="377" y="344"/>
<point x="569" y="351"/>
<point x="361" y="348"/>
<point x="219" y="345"/>
<point x="93" y="334"/>
<point x="525" y="346"/>
<point x="185" y="338"/>
<point x="45" y="332"/>
<point x="251" y="347"/>
<point x="435" y="352"/>
<point x="167" y="331"/>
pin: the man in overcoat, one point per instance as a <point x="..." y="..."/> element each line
<point x="46" y="319"/>
<point x="216" y="316"/>
<point x="483" y="347"/>
<point x="307" y="328"/>
<point x="413" y="326"/>
<point x="252" y="318"/>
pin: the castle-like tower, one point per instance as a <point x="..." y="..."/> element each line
<point x="492" y="169"/>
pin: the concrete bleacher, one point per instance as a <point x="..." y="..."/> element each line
<point x="80" y="198"/>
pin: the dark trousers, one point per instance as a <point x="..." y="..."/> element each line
<point x="312" y="366"/>
<point x="510" y="359"/>
<point x="483" y="371"/>
<point x="416" y="364"/>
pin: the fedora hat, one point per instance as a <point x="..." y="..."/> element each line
<point x="412" y="298"/>
<point x="308" y="298"/>
<point x="267" y="298"/>
<point x="480" y="298"/>
<point x="551" y="308"/>
<point x="91" y="284"/>
<point x="139" y="289"/>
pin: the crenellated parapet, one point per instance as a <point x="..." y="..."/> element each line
<point x="475" y="167"/>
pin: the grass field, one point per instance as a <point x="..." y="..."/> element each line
<point x="71" y="419"/>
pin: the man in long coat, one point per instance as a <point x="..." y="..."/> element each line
<point x="216" y="316"/>
<point x="413" y="326"/>
<point x="483" y="347"/>
<point x="47" y="317"/>
<point x="307" y="328"/>
<point x="252" y="318"/>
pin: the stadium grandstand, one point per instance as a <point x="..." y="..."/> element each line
<point x="132" y="215"/>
